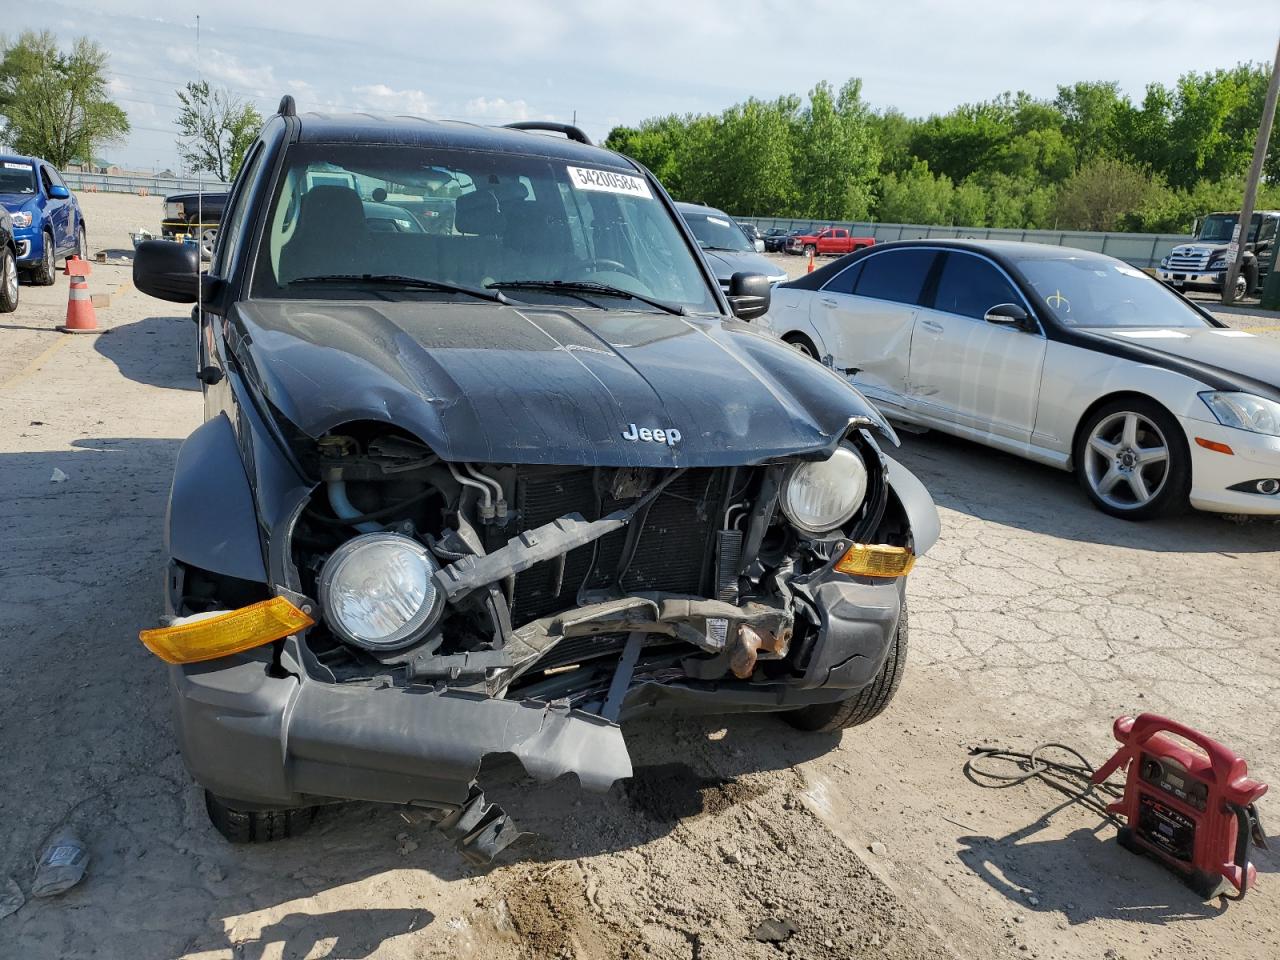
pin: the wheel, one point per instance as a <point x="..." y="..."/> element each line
<point x="8" y="281"/>
<point x="1132" y="460"/>
<point x="257" y="826"/>
<point x="208" y="236"/>
<point x="810" y="249"/>
<point x="45" y="273"/>
<point x="801" y="344"/>
<point x="867" y="703"/>
<point x="82" y="243"/>
<point x="1249" y="274"/>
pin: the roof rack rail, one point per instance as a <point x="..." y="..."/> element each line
<point x="568" y="129"/>
<point x="287" y="107"/>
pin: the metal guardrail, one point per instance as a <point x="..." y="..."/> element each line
<point x="142" y="185"/>
<point x="1142" y="250"/>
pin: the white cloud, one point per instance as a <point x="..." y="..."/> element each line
<point x="497" y="108"/>
<point x="225" y="69"/>
<point x="380" y="97"/>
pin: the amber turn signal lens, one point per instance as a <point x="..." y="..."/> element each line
<point x="226" y="633"/>
<point x="876" y="560"/>
<point x="1215" y="446"/>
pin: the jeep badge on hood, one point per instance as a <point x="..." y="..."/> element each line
<point x="669" y="436"/>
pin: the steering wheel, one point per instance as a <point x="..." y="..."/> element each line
<point x="600" y="265"/>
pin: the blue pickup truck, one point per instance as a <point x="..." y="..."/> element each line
<point x="47" y="222"/>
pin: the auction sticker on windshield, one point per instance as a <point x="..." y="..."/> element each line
<point x="607" y="181"/>
<point x="16" y="166"/>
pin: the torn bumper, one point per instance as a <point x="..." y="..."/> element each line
<point x="281" y="741"/>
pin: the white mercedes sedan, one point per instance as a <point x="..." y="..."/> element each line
<point x="1063" y="356"/>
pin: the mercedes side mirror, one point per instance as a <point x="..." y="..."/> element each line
<point x="57" y="192"/>
<point x="1008" y="315"/>
<point x="749" y="295"/>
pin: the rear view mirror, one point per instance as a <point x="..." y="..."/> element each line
<point x="1008" y="315"/>
<point x="749" y="295"/>
<point x="167" y="270"/>
<point x="57" y="192"/>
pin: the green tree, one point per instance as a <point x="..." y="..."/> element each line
<point x="1102" y="193"/>
<point x="917" y="196"/>
<point x="968" y="206"/>
<point x="836" y="158"/>
<point x="215" y="129"/>
<point x="55" y="105"/>
<point x="1089" y="112"/>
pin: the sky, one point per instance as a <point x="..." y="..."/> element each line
<point x="610" y="63"/>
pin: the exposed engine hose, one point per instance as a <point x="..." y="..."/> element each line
<point x="344" y="509"/>
<point x="486" y="492"/>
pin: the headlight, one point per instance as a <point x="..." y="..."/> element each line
<point x="378" y="592"/>
<point x="817" y="497"/>
<point x="21" y="219"/>
<point x="1164" y="262"/>
<point x="1218" y="264"/>
<point x="1244" y="411"/>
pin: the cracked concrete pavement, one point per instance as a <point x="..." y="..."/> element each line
<point x="1035" y="618"/>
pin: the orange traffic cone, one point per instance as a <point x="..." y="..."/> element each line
<point x="810" y="270"/>
<point x="80" y="314"/>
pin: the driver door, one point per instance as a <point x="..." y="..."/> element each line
<point x="967" y="371"/>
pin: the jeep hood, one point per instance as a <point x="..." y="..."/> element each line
<point x="505" y="384"/>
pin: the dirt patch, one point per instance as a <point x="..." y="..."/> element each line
<point x="670" y="792"/>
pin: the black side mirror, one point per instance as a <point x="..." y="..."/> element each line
<point x="749" y="295"/>
<point x="167" y="270"/>
<point x="1009" y="315"/>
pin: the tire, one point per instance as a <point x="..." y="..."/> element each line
<point x="1127" y="438"/>
<point x="45" y="272"/>
<point x="208" y="238"/>
<point x="865" y="704"/>
<point x="1250" y="274"/>
<point x="82" y="243"/>
<point x="257" y="826"/>
<point x="8" y="281"/>
<point x="810" y="250"/>
<point x="801" y="344"/>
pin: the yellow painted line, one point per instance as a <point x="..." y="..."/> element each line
<point x="33" y="367"/>
<point x="1271" y="329"/>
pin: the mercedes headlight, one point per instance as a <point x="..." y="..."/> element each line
<point x="821" y="496"/>
<point x="1244" y="411"/>
<point x="378" y="592"/>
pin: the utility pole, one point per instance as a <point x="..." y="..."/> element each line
<point x="1241" y="238"/>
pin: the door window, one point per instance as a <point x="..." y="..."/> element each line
<point x="233" y="218"/>
<point x="844" y="281"/>
<point x="45" y="179"/>
<point x="897" y="275"/>
<point x="1268" y="230"/>
<point x="970" y="286"/>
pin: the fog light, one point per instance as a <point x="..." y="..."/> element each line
<point x="1268" y="486"/>
<point x="223" y="634"/>
<point x="876" y="560"/>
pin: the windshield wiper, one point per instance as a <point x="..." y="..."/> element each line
<point x="399" y="280"/>
<point x="586" y="286"/>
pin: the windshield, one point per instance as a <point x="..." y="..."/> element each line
<point x="470" y="219"/>
<point x="17" y="178"/>
<point x="715" y="231"/>
<point x="1101" y="292"/>
<point x="1218" y="227"/>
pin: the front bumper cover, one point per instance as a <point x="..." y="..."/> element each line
<point x="285" y="740"/>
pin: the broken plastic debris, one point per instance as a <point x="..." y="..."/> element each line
<point x="62" y="864"/>
<point x="58" y="476"/>
<point x="11" y="898"/>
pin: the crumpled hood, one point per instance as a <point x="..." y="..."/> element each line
<point x="488" y="383"/>
<point x="1232" y="351"/>
<point x="725" y="263"/>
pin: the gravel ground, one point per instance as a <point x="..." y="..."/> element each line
<point x="1035" y="618"/>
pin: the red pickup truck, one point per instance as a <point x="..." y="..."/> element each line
<point x="833" y="240"/>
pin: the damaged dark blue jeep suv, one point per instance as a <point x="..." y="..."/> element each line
<point x="491" y="463"/>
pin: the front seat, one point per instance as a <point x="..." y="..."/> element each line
<point x="331" y="236"/>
